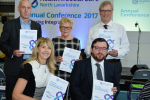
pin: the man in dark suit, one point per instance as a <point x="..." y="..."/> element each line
<point x="85" y="71"/>
<point x="9" y="44"/>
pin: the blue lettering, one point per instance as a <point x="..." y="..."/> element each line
<point x="55" y="85"/>
<point x="48" y="15"/>
<point x="38" y="15"/>
<point x="59" y="15"/>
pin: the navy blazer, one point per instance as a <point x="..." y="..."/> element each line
<point x="81" y="81"/>
<point x="9" y="41"/>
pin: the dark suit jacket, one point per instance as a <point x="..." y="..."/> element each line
<point x="81" y="81"/>
<point x="9" y="41"/>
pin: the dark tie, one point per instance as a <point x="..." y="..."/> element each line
<point x="99" y="72"/>
<point x="105" y="26"/>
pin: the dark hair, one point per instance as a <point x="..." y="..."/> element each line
<point x="99" y="40"/>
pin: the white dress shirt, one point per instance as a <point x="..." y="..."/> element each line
<point x="25" y="27"/>
<point x="94" y="70"/>
<point x="121" y="40"/>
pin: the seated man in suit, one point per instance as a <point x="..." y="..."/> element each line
<point x="95" y="67"/>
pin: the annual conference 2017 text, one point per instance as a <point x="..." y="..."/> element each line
<point x="61" y="15"/>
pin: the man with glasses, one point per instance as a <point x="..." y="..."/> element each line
<point x="87" y="70"/>
<point x="121" y="43"/>
<point x="9" y="44"/>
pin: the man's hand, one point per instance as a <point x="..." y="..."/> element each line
<point x="17" y="53"/>
<point x="114" y="89"/>
<point x="59" y="59"/>
<point x="113" y="53"/>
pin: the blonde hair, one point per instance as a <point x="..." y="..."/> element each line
<point x="50" y="61"/>
<point x="105" y="3"/>
<point x="64" y="20"/>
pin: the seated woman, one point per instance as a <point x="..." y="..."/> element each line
<point x="65" y="40"/>
<point x="36" y="72"/>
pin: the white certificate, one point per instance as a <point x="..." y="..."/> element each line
<point x="102" y="90"/>
<point x="109" y="36"/>
<point x="28" y="39"/>
<point x="55" y="89"/>
<point x="69" y="57"/>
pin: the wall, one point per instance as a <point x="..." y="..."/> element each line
<point x="144" y="47"/>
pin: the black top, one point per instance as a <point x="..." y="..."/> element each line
<point x="38" y="76"/>
<point x="27" y="74"/>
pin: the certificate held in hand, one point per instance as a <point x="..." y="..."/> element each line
<point x="55" y="89"/>
<point x="69" y="57"/>
<point x="28" y="39"/>
<point x="102" y="90"/>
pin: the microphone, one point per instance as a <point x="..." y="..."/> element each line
<point x="136" y="24"/>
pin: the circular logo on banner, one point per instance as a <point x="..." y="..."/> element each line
<point x="134" y="1"/>
<point x="34" y="3"/>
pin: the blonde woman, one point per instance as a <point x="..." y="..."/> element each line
<point x="36" y="72"/>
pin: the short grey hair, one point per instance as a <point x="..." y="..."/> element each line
<point x="105" y="3"/>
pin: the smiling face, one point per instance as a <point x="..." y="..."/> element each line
<point x="44" y="52"/>
<point x="99" y="54"/>
<point x="24" y="9"/>
<point x="65" y="29"/>
<point x="106" y="15"/>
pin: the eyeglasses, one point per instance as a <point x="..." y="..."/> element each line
<point x="67" y="28"/>
<point x="98" y="48"/>
<point x="103" y="11"/>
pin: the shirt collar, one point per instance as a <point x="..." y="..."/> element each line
<point x="109" y="24"/>
<point x="22" y="22"/>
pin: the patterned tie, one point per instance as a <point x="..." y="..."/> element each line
<point x="99" y="72"/>
<point x="105" y="26"/>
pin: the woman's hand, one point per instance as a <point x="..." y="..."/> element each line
<point x="59" y="59"/>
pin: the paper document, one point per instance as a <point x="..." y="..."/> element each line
<point x="102" y="90"/>
<point x="28" y="39"/>
<point x="69" y="57"/>
<point x="109" y="36"/>
<point x="55" y="89"/>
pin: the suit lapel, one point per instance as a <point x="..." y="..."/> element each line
<point x="32" y="26"/>
<point x="89" y="71"/>
<point x="18" y="26"/>
<point x="105" y="70"/>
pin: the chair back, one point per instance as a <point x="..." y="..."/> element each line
<point x="141" y="74"/>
